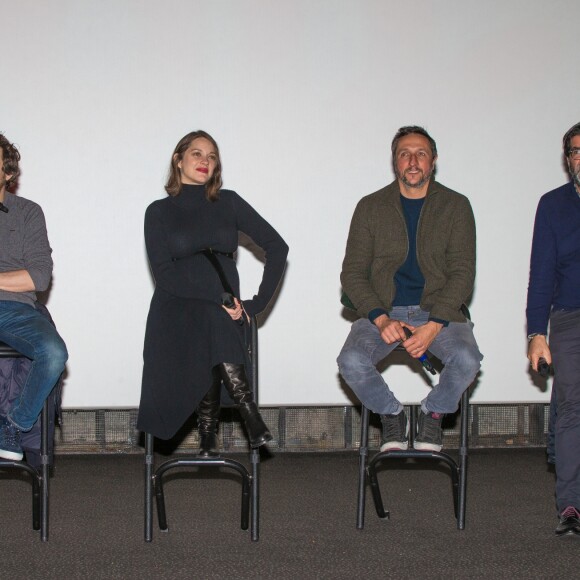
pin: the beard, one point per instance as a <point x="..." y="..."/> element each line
<point x="426" y="177"/>
<point x="575" y="174"/>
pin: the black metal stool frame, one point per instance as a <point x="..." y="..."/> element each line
<point x="250" y="481"/>
<point x="40" y="491"/>
<point x="457" y="469"/>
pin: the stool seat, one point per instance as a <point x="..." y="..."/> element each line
<point x="40" y="491"/>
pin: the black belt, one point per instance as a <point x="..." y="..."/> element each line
<point x="229" y="255"/>
<point x="210" y="254"/>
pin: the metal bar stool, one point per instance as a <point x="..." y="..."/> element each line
<point x="457" y="468"/>
<point x="40" y="478"/>
<point x="250" y="480"/>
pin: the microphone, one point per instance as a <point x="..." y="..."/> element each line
<point x="424" y="358"/>
<point x="228" y="302"/>
<point x="3" y="208"/>
<point x="543" y="368"/>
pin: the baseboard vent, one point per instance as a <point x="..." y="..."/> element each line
<point x="298" y="429"/>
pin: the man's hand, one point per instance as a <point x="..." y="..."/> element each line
<point x="16" y="281"/>
<point x="391" y="330"/>
<point x="537" y="349"/>
<point x="422" y="338"/>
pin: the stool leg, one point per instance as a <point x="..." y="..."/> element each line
<point x="45" y="468"/>
<point x="148" y="487"/>
<point x="362" y="466"/>
<point x="255" y="491"/>
<point x="463" y="447"/>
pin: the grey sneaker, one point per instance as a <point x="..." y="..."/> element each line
<point x="429" y="434"/>
<point x="9" y="441"/>
<point x="395" y="432"/>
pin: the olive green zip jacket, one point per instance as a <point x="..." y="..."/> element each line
<point x="378" y="243"/>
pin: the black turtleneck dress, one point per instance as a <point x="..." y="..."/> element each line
<point x="188" y="332"/>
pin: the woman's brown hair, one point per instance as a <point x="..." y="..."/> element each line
<point x="212" y="187"/>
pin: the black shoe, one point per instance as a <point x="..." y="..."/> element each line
<point x="258" y="432"/>
<point x="429" y="433"/>
<point x="238" y="387"/>
<point x="569" y="522"/>
<point x="208" y="444"/>
<point x="208" y="412"/>
<point x="395" y="432"/>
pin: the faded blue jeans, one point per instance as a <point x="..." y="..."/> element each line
<point x="30" y="333"/>
<point x="364" y="348"/>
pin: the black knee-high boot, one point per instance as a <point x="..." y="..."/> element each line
<point x="208" y="412"/>
<point x="238" y="386"/>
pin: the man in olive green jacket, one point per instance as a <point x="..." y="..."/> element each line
<point x="410" y="263"/>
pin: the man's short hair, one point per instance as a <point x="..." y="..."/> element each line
<point x="410" y="130"/>
<point x="572" y="132"/>
<point x="11" y="157"/>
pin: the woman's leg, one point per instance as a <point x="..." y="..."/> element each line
<point x="238" y="387"/>
<point x="208" y="412"/>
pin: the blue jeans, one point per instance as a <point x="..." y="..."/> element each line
<point x="30" y="333"/>
<point x="364" y="348"/>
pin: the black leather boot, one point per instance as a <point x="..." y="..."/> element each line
<point x="238" y="386"/>
<point x="208" y="412"/>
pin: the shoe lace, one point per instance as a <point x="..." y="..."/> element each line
<point x="570" y="512"/>
<point x="392" y="428"/>
<point x="431" y="428"/>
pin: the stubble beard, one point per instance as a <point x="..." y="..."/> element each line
<point x="426" y="177"/>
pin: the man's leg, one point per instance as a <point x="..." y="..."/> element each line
<point x="26" y="330"/>
<point x="363" y="350"/>
<point x="456" y="348"/>
<point x="565" y="347"/>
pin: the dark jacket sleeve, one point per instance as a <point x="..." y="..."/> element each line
<point x="543" y="262"/>
<point x="460" y="256"/>
<point x="264" y="235"/>
<point x="358" y="260"/>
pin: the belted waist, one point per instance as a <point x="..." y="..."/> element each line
<point x="206" y="251"/>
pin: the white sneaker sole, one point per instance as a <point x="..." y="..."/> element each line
<point x="11" y="455"/>
<point x="395" y="446"/>
<point x="420" y="446"/>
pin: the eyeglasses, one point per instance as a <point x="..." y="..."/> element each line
<point x="574" y="153"/>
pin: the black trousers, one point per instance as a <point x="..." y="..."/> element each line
<point x="565" y="348"/>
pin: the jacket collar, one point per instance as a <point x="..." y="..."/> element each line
<point x="392" y="191"/>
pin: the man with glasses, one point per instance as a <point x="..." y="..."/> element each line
<point x="410" y="266"/>
<point x="554" y="297"/>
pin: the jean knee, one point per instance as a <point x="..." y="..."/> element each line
<point x="352" y="361"/>
<point x="53" y="353"/>
<point x="467" y="360"/>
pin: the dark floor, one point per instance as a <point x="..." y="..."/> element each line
<point x="308" y="512"/>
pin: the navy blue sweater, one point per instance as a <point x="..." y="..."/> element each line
<point x="555" y="260"/>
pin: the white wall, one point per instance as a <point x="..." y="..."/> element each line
<point x="303" y="98"/>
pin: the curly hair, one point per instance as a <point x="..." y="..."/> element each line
<point x="11" y="157"/>
<point x="173" y="185"/>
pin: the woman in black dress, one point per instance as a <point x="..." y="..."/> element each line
<point x="193" y="342"/>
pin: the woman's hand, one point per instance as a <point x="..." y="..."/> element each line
<point x="237" y="312"/>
